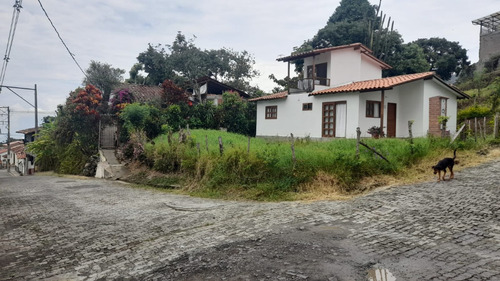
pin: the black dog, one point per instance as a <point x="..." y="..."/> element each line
<point x="445" y="163"/>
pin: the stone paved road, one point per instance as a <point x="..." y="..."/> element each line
<point x="59" y="228"/>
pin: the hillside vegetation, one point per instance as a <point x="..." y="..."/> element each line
<point x="267" y="170"/>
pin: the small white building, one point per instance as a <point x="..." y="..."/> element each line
<point x="341" y="88"/>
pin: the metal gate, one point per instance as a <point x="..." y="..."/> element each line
<point x="108" y="137"/>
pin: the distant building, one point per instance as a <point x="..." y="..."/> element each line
<point x="489" y="37"/>
<point x="212" y="90"/>
<point x="19" y="161"/>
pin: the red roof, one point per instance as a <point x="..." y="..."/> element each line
<point x="385" y="84"/>
<point x="280" y="95"/>
<point x="142" y="93"/>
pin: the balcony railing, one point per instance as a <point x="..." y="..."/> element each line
<point x="307" y="84"/>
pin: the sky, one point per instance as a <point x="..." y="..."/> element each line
<point x="116" y="31"/>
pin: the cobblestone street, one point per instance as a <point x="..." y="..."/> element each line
<point x="58" y="228"/>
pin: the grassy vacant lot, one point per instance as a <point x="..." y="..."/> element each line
<point x="322" y="170"/>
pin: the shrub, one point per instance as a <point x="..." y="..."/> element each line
<point x="73" y="160"/>
<point x="473" y="112"/>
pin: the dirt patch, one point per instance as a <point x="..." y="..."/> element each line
<point x="316" y="253"/>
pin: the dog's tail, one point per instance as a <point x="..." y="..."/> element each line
<point x="454" y="154"/>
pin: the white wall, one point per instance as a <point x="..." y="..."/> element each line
<point x="369" y="69"/>
<point x="411" y="107"/>
<point x="434" y="88"/>
<point x="345" y="67"/>
<point x="292" y="119"/>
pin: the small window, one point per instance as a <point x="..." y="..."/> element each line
<point x="272" y="112"/>
<point x="307" y="106"/>
<point x="373" y="109"/>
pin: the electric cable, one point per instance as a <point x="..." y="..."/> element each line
<point x="10" y="40"/>
<point x="58" y="35"/>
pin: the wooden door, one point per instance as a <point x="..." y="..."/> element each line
<point x="391" y="120"/>
<point x="334" y="119"/>
<point x="328" y="127"/>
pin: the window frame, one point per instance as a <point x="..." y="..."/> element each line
<point x="269" y="113"/>
<point x="370" y="111"/>
<point x="307" y="106"/>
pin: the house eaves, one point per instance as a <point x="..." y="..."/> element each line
<point x="363" y="49"/>
<point x="387" y="84"/>
<point x="280" y="95"/>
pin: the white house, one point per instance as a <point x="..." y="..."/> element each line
<point x="341" y="88"/>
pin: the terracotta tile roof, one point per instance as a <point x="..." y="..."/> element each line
<point x="385" y="84"/>
<point x="141" y="93"/>
<point x="355" y="46"/>
<point x="280" y="95"/>
<point x="27" y="131"/>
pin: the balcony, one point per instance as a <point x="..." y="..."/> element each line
<point x="308" y="84"/>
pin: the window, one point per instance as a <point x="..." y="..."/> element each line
<point x="320" y="75"/>
<point x="307" y="106"/>
<point x="272" y="112"/>
<point x="373" y="109"/>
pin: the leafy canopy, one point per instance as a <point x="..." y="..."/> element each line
<point x="104" y="77"/>
<point x="357" y="21"/>
<point x="443" y="56"/>
<point x="183" y="63"/>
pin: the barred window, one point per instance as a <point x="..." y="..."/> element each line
<point x="272" y="112"/>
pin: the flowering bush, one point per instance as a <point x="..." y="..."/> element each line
<point x="173" y="94"/>
<point x="88" y="101"/>
<point x="120" y="100"/>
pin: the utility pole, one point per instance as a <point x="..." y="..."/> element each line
<point x="5" y="110"/>
<point x="8" y="139"/>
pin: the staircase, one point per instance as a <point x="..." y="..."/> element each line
<point x="108" y="166"/>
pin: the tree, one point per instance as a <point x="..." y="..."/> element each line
<point x="356" y="21"/>
<point x="104" y="77"/>
<point x="67" y="141"/>
<point x="172" y="94"/>
<point x="183" y="63"/>
<point x="352" y="11"/>
<point x="444" y="57"/>
<point x="45" y="149"/>
<point x="134" y="76"/>
<point x="154" y="62"/>
<point x="407" y="59"/>
<point x="234" y="114"/>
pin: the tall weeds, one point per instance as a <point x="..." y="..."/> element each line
<point x="267" y="170"/>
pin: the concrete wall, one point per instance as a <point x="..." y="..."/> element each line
<point x="489" y="46"/>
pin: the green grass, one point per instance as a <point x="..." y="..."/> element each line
<point x="268" y="172"/>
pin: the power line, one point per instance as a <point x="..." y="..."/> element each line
<point x="10" y="40"/>
<point x="58" y="35"/>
